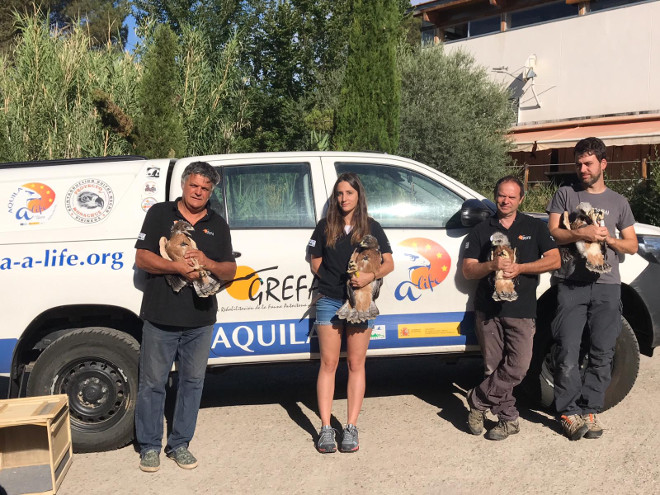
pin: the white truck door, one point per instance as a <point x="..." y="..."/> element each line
<point x="425" y="303"/>
<point x="269" y="203"/>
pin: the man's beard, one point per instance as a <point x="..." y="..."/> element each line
<point x="591" y="180"/>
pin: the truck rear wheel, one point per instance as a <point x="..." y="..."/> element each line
<point x="98" y="369"/>
<point x="539" y="383"/>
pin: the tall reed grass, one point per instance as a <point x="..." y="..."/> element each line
<point x="51" y="85"/>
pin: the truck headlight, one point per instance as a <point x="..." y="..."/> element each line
<point x="649" y="247"/>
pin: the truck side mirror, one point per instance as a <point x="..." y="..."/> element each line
<point x="475" y="211"/>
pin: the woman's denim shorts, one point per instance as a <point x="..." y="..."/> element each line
<point x="326" y="314"/>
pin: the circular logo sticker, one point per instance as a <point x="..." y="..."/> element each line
<point x="32" y="203"/>
<point x="89" y="200"/>
<point x="148" y="203"/>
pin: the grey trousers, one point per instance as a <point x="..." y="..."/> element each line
<point x="506" y="344"/>
<point x="599" y="306"/>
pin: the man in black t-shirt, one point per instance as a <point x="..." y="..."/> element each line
<point x="178" y="325"/>
<point x="505" y="329"/>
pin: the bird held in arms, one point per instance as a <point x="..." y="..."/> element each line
<point x="360" y="306"/>
<point x="504" y="287"/>
<point x="174" y="249"/>
<point x="593" y="252"/>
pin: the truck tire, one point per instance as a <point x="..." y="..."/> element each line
<point x="98" y="369"/>
<point x="539" y="383"/>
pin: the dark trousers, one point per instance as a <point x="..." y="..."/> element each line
<point x="160" y="347"/>
<point x="506" y="344"/>
<point x="599" y="306"/>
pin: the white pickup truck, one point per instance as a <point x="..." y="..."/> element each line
<point x="72" y="292"/>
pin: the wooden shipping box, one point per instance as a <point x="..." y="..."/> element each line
<point x="35" y="444"/>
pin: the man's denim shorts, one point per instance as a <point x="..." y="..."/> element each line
<point x="326" y="314"/>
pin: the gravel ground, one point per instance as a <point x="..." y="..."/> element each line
<point x="257" y="427"/>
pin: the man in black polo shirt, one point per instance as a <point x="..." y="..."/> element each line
<point x="178" y="325"/>
<point x="505" y="329"/>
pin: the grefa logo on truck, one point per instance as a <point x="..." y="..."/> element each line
<point x="269" y="290"/>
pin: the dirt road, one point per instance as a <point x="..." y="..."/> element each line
<point x="257" y="425"/>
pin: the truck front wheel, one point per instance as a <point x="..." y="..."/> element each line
<point x="539" y="383"/>
<point x="98" y="369"/>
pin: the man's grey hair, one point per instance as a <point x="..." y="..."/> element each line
<point x="200" y="168"/>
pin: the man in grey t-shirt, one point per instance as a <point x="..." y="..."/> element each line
<point x="587" y="297"/>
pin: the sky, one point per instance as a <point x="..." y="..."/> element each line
<point x="132" y="38"/>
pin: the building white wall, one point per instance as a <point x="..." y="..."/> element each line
<point x="600" y="64"/>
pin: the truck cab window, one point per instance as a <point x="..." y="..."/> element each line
<point x="402" y="198"/>
<point x="265" y="196"/>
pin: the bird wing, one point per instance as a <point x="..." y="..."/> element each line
<point x="375" y="288"/>
<point x="351" y="293"/>
<point x="163" y="248"/>
<point x="352" y="261"/>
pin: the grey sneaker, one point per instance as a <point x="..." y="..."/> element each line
<point x="574" y="426"/>
<point x="503" y="429"/>
<point x="326" y="443"/>
<point x="595" y="429"/>
<point x="476" y="420"/>
<point x="150" y="461"/>
<point x="183" y="458"/>
<point x="349" y="440"/>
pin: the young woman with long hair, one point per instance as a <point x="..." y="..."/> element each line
<point x="331" y="246"/>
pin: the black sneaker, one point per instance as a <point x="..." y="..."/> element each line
<point x="326" y="444"/>
<point x="349" y="440"/>
<point x="183" y="458"/>
<point x="503" y="429"/>
<point x="150" y="461"/>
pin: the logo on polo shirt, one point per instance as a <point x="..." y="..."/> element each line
<point x="524" y="237"/>
<point x="208" y="232"/>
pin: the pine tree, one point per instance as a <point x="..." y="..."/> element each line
<point x="160" y="128"/>
<point x="368" y="113"/>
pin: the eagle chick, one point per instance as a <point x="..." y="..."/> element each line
<point x="593" y="252"/>
<point x="174" y="249"/>
<point x="360" y="305"/>
<point x="504" y="287"/>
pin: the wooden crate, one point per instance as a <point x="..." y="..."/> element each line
<point x="35" y="444"/>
